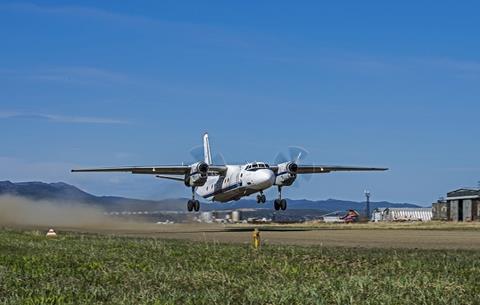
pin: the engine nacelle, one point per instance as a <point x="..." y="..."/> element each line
<point x="287" y="173"/>
<point x="198" y="174"/>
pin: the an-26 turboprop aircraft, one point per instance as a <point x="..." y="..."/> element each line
<point x="225" y="183"/>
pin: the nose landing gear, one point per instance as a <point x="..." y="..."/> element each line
<point x="261" y="198"/>
<point x="280" y="204"/>
<point x="193" y="204"/>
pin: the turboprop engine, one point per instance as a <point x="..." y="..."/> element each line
<point x="198" y="174"/>
<point x="287" y="173"/>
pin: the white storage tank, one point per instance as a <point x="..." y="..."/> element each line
<point x="236" y="217"/>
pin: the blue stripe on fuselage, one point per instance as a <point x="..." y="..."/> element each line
<point x="229" y="188"/>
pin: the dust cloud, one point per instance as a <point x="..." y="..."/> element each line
<point x="19" y="211"/>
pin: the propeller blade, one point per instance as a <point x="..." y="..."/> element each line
<point x="197" y="153"/>
<point x="281" y="158"/>
<point x="306" y="177"/>
<point x="297" y="153"/>
<point x="218" y="159"/>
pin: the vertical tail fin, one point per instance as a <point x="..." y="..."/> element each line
<point x="206" y="149"/>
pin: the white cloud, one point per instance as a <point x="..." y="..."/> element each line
<point x="204" y="32"/>
<point x="80" y="11"/>
<point x="61" y="118"/>
<point x="74" y="75"/>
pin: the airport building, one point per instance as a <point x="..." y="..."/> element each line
<point x="460" y="205"/>
<point x="402" y="214"/>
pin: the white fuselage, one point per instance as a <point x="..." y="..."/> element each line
<point x="237" y="182"/>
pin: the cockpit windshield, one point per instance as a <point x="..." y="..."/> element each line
<point x="255" y="166"/>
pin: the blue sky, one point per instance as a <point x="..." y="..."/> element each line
<point x="130" y="83"/>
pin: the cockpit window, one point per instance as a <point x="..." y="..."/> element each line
<point x="255" y="166"/>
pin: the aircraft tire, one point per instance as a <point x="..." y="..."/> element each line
<point x="196" y="205"/>
<point x="263" y="199"/>
<point x="283" y="204"/>
<point x="190" y="205"/>
<point x="276" y="204"/>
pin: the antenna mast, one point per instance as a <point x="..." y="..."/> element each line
<point x="367" y="208"/>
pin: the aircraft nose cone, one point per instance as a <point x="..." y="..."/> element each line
<point x="264" y="178"/>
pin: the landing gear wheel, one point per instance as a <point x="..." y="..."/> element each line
<point x="190" y="205"/>
<point x="196" y="205"/>
<point x="276" y="204"/>
<point x="283" y="204"/>
<point x="261" y="198"/>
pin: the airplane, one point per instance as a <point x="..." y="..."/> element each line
<point x="224" y="183"/>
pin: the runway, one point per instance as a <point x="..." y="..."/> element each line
<point x="305" y="236"/>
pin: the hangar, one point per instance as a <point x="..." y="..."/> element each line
<point x="460" y="205"/>
<point x="401" y="214"/>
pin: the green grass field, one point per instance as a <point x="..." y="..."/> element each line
<point x="95" y="269"/>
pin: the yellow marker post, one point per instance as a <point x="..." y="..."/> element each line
<point x="256" y="238"/>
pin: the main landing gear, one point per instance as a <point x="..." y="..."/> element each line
<point x="261" y="198"/>
<point x="280" y="204"/>
<point x="193" y="204"/>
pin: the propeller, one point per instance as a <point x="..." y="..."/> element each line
<point x="299" y="154"/>
<point x="218" y="159"/>
<point x="296" y="154"/>
<point x="197" y="154"/>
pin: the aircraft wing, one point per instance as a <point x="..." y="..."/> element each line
<point x="152" y="170"/>
<point x="319" y="169"/>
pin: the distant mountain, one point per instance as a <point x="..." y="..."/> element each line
<point x="304" y="204"/>
<point x="63" y="192"/>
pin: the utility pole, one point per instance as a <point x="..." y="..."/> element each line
<point x="367" y="208"/>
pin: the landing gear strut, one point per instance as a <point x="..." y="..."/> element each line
<point x="280" y="203"/>
<point x="193" y="204"/>
<point x="261" y="198"/>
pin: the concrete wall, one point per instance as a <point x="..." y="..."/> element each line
<point x="460" y="210"/>
<point x="467" y="210"/>
<point x="454" y="210"/>
<point x="440" y="211"/>
<point x="476" y="209"/>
